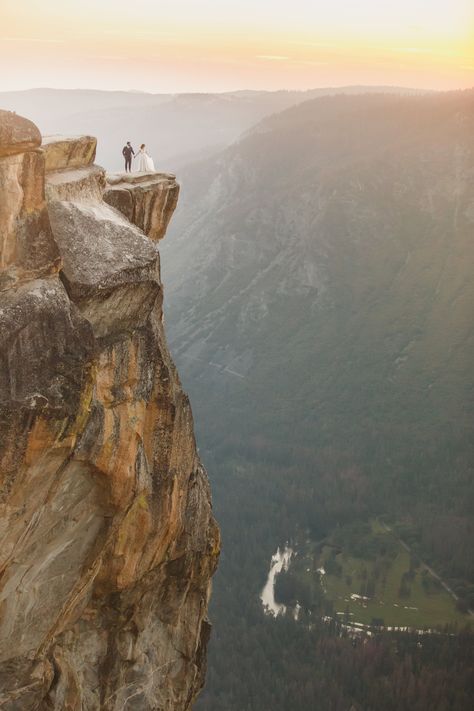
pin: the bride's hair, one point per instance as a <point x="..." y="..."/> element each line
<point x="142" y="146"/>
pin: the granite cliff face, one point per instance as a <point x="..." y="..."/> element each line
<point x="107" y="537"/>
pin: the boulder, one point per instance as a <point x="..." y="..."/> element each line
<point x="27" y="247"/>
<point x="110" y="268"/>
<point x="78" y="185"/>
<point x="67" y="152"/>
<point x="17" y="134"/>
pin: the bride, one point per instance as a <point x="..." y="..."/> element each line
<point x="145" y="162"/>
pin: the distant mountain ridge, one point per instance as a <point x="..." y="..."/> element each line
<point x="177" y="128"/>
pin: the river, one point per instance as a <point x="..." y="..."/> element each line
<point x="280" y="561"/>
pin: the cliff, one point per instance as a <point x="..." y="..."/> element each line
<point x="108" y="543"/>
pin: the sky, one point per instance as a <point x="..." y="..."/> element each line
<point x="225" y="45"/>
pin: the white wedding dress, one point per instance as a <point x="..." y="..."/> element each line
<point x="144" y="162"/>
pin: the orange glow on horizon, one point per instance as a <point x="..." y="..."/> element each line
<point x="113" y="45"/>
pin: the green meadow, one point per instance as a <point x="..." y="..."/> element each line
<point x="370" y="578"/>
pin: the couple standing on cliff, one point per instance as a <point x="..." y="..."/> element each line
<point x="145" y="162"/>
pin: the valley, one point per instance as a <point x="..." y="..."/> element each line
<point x="326" y="258"/>
<point x="365" y="578"/>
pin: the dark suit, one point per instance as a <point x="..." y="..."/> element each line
<point x="127" y="153"/>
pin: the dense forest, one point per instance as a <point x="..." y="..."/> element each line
<point x="258" y="662"/>
<point x="285" y="667"/>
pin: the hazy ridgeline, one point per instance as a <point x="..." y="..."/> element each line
<point x="176" y="128"/>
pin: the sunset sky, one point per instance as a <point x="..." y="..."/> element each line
<point x="219" y="45"/>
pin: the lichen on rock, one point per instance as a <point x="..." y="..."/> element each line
<point x="108" y="543"/>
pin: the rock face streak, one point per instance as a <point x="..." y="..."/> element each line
<point x="107" y="537"/>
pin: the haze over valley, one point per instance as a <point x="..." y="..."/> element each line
<point x="320" y="299"/>
<point x="177" y="128"/>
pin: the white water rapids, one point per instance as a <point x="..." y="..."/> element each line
<point x="280" y="561"/>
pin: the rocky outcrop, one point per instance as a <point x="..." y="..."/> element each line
<point x="146" y="199"/>
<point x="17" y="136"/>
<point x="68" y="152"/>
<point x="84" y="184"/>
<point x="107" y="537"/>
<point x="27" y="247"/>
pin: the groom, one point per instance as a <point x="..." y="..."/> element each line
<point x="128" y="152"/>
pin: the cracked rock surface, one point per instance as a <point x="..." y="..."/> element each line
<point x="108" y="542"/>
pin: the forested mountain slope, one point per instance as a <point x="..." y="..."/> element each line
<point x="327" y="260"/>
<point x="320" y="306"/>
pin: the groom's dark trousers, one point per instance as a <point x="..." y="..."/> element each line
<point x="128" y="152"/>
